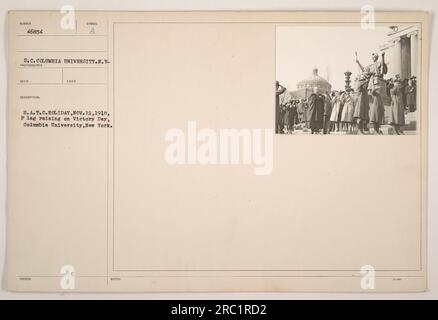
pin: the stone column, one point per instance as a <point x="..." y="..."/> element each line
<point x="397" y="57"/>
<point x="390" y="57"/>
<point x="414" y="56"/>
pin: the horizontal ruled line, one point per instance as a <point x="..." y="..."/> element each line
<point x="61" y="84"/>
<point x="64" y="51"/>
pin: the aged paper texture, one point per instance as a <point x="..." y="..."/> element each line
<point x="208" y="151"/>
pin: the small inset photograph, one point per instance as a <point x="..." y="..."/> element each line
<point x="343" y="80"/>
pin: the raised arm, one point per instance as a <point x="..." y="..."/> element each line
<point x="358" y="63"/>
<point x="360" y="66"/>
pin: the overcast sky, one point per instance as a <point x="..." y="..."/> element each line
<point x="329" y="48"/>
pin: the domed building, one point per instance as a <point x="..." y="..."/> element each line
<point x="305" y="87"/>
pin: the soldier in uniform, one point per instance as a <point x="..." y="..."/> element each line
<point x="376" y="69"/>
<point x="315" y="112"/>
<point x="327" y="113"/>
<point x="279" y="90"/>
<point x="411" y="95"/>
<point x="397" y="115"/>
<point x="373" y="74"/>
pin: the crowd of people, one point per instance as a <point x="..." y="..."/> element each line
<point x="352" y="110"/>
<point x="348" y="111"/>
